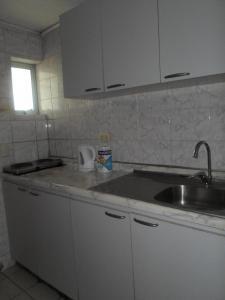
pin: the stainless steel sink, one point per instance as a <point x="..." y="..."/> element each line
<point x="193" y="197"/>
<point x="171" y="190"/>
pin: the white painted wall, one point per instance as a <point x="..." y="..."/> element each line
<point x="22" y="138"/>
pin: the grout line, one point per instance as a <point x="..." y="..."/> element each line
<point x="12" y="142"/>
<point x="23" y="290"/>
<point x="28" y="141"/>
<point x="36" y="140"/>
<point x="26" y="290"/>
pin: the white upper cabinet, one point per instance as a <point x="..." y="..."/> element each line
<point x="130" y="43"/>
<point x="82" y="50"/>
<point x="192" y="38"/>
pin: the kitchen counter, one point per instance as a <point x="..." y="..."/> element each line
<point x="69" y="182"/>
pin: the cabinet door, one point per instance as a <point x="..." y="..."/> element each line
<point x="130" y="43"/>
<point x="102" y="237"/>
<point x="175" y="262"/>
<point x="192" y="38"/>
<point x="21" y="220"/>
<point x="81" y="49"/>
<point x="56" y="256"/>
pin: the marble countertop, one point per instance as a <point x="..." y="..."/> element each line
<point x="69" y="182"/>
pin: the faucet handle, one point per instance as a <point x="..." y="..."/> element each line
<point x="201" y="176"/>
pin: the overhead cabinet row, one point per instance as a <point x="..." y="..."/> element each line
<point x="113" y="44"/>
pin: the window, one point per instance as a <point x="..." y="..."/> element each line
<point x="24" y="87"/>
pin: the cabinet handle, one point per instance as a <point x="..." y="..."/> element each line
<point x="145" y="223"/>
<point x="113" y="86"/>
<point x="21" y="189"/>
<point x="34" y="194"/>
<point x="177" y="75"/>
<point x="92" y="90"/>
<point x="114" y="216"/>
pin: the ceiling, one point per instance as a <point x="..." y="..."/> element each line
<point x="36" y="15"/>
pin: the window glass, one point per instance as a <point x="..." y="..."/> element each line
<point x="23" y="88"/>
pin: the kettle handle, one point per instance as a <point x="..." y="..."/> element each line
<point x="93" y="152"/>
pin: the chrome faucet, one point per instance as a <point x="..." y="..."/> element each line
<point x="205" y="179"/>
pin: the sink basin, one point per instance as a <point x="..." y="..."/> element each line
<point x="193" y="197"/>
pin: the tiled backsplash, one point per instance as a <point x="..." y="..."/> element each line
<point x="158" y="126"/>
<point x="22" y="138"/>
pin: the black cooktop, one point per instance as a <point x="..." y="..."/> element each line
<point x="32" y="166"/>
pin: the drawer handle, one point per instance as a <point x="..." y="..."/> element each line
<point x="34" y="194"/>
<point x="21" y="189"/>
<point x="92" y="90"/>
<point x="114" y="216"/>
<point x="113" y="86"/>
<point x="177" y="75"/>
<point x="145" y="223"/>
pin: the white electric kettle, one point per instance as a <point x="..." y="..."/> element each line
<point x="86" y="158"/>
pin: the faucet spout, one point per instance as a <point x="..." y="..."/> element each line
<point x="195" y="155"/>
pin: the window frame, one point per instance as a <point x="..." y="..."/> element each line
<point x="32" y="68"/>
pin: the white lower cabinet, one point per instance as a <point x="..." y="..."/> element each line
<point x="102" y="238"/>
<point x="21" y="221"/>
<point x="56" y="263"/>
<point x="173" y="262"/>
<point x="40" y="234"/>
